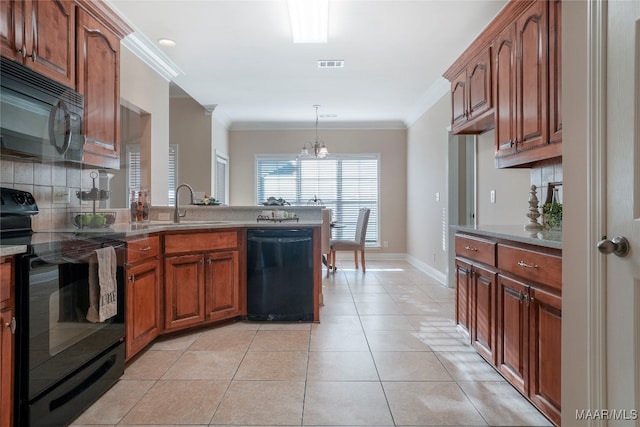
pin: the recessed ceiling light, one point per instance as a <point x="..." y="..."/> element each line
<point x="309" y="20"/>
<point x="330" y="63"/>
<point x="167" y="42"/>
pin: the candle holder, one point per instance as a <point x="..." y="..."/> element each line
<point x="534" y="213"/>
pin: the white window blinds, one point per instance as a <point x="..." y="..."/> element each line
<point x="134" y="171"/>
<point x="221" y="172"/>
<point x="172" y="179"/>
<point x="344" y="183"/>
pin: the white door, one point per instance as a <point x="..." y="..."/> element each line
<point x="623" y="210"/>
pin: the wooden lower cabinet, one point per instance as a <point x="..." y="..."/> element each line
<point x="202" y="278"/>
<point x="529" y="343"/>
<point x="222" y="292"/>
<point x="512" y="332"/>
<point x="483" y="306"/>
<point x="184" y="290"/>
<point x="143" y="290"/>
<point x="143" y="305"/>
<point x="201" y="287"/>
<point x="7" y="326"/>
<point x="463" y="296"/>
<point x="509" y="304"/>
<point x="545" y="344"/>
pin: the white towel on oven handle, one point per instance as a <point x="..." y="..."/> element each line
<point x="103" y="292"/>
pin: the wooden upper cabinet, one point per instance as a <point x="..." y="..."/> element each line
<point x="99" y="81"/>
<point x="41" y="35"/>
<point x="471" y="96"/>
<point x="535" y="124"/>
<point x="532" y="78"/>
<point x="555" y="72"/>
<point x="459" y="100"/>
<point x="504" y="73"/>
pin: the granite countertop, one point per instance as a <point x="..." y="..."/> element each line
<point x="7" y="250"/>
<point x="544" y="238"/>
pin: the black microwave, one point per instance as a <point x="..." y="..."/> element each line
<point x="40" y="118"/>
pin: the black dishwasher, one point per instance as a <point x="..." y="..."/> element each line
<point x="280" y="274"/>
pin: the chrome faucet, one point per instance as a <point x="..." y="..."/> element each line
<point x="176" y="214"/>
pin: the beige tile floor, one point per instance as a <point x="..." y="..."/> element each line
<point x="386" y="353"/>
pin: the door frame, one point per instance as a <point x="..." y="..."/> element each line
<point x="584" y="373"/>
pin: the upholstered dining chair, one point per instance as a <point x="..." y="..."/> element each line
<point x="355" y="245"/>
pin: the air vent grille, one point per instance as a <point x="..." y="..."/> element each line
<point x="330" y="63"/>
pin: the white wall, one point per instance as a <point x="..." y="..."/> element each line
<point x="191" y="130"/>
<point x="427" y="175"/>
<point x="511" y="187"/>
<point x="576" y="247"/>
<point x="144" y="89"/>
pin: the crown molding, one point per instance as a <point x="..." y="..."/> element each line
<point x="355" y="125"/>
<point x="146" y="50"/>
<point x="435" y="92"/>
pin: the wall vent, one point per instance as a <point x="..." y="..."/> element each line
<point x="330" y="63"/>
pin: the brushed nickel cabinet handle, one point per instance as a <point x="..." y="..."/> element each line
<point x="147" y="249"/>
<point x="22" y="51"/>
<point x="471" y="248"/>
<point x="525" y="265"/>
<point x="11" y="325"/>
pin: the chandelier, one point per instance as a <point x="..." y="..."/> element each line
<point x="318" y="147"/>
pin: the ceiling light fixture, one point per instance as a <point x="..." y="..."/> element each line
<point x="309" y="20"/>
<point x="318" y="147"/>
<point x="167" y="42"/>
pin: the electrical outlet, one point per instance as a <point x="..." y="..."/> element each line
<point x="385" y="244"/>
<point x="60" y="195"/>
<point x="163" y="216"/>
<point x="493" y="196"/>
<point x="437" y="196"/>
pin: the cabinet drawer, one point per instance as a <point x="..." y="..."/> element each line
<point x="476" y="249"/>
<point x="142" y="248"/>
<point x="200" y="242"/>
<point x="531" y="265"/>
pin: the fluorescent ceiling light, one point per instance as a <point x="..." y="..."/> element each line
<point x="309" y="20"/>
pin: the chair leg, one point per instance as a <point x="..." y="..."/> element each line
<point x="355" y="257"/>
<point x="362" y="256"/>
<point x="328" y="258"/>
<point x="333" y="261"/>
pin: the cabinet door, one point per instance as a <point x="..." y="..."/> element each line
<point x="222" y="285"/>
<point x="463" y="296"/>
<point x="532" y="77"/>
<point x="459" y="100"/>
<point x="52" y="36"/>
<point x="479" y="84"/>
<point x="555" y="71"/>
<point x="12" y="29"/>
<point x="483" y="303"/>
<point x="512" y="331"/>
<point x="545" y="338"/>
<point x="99" y="82"/>
<point x="6" y="368"/>
<point x="41" y="35"/>
<point x="504" y="83"/>
<point x="142" y="305"/>
<point x="184" y="290"/>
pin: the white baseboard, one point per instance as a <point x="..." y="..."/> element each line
<point x="437" y="275"/>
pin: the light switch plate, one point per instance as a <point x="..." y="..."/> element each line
<point x="163" y="216"/>
<point x="60" y="195"/>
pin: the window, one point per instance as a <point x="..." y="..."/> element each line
<point x="134" y="172"/>
<point x="222" y="172"/>
<point x="344" y="183"/>
<point x="172" y="179"/>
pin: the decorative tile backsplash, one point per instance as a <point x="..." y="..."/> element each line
<point x="41" y="180"/>
<point x="541" y="175"/>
